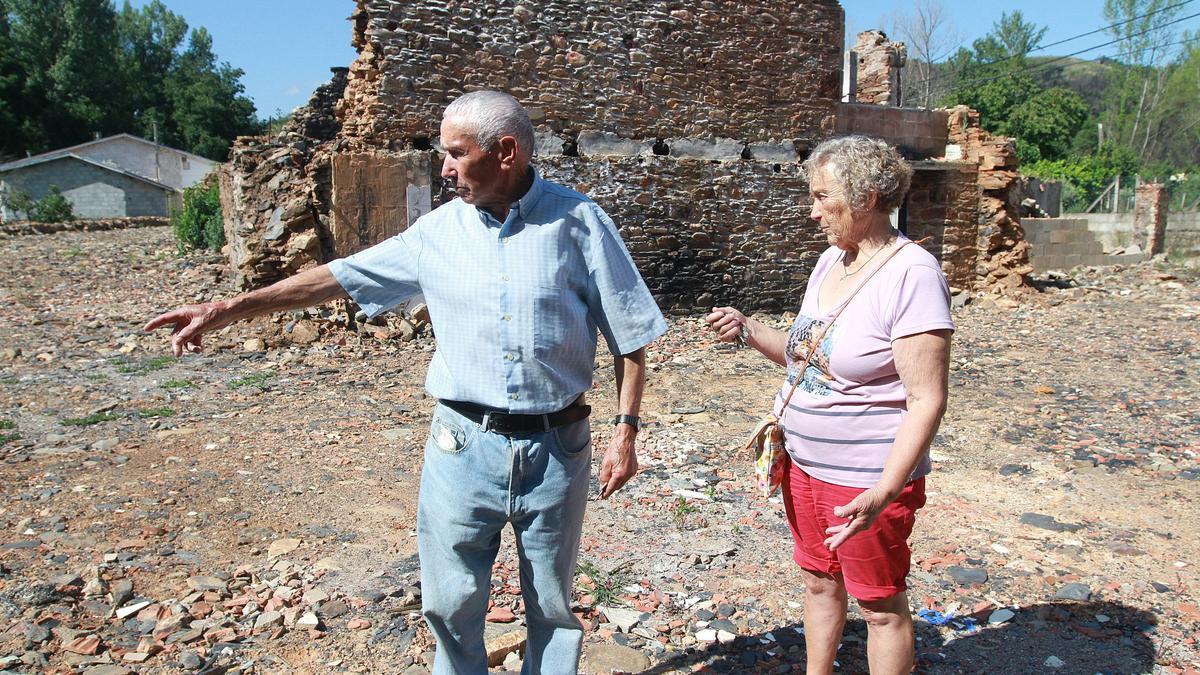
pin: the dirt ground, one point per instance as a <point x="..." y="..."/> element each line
<point x="252" y="509"/>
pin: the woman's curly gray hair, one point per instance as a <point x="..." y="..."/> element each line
<point x="863" y="166"/>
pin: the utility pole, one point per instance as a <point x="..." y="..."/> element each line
<point x="157" y="173"/>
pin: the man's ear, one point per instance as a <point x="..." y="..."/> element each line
<point x="507" y="151"/>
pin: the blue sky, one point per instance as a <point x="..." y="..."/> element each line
<point x="286" y="47"/>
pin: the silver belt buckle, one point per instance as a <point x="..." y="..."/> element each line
<point x="487" y="418"/>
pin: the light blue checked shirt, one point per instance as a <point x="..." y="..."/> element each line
<point x="515" y="305"/>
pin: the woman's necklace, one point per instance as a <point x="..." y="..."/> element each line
<point x="846" y="274"/>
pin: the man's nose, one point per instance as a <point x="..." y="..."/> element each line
<point x="447" y="171"/>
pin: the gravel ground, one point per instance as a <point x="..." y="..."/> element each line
<point x="252" y="509"/>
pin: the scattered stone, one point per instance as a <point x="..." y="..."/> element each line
<point x="1046" y="522"/>
<point x="625" y="619"/>
<point x="358" y="624"/>
<point x="282" y="547"/>
<point x="1074" y="591"/>
<point x="86" y="645"/>
<point x="968" y="576"/>
<point x="1000" y="616"/>
<point x="609" y="658"/>
<point x="500" y="646"/>
<point x="1054" y="662"/>
<point x="206" y="583"/>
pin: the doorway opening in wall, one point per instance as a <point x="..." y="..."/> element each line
<point x="900" y="217"/>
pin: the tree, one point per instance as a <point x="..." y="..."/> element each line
<point x="1048" y="121"/>
<point x="1143" y="29"/>
<point x="149" y="39"/>
<point x="73" y="68"/>
<point x="927" y="30"/>
<point x="208" y="107"/>
<point x="992" y="75"/>
<point x="1177" y="119"/>
<point x="1016" y="36"/>
<point x="10" y="88"/>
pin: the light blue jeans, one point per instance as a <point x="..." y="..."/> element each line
<point x="473" y="484"/>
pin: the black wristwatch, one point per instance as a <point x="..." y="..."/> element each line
<point x="631" y="420"/>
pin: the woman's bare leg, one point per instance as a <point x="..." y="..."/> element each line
<point x="889" y="634"/>
<point x="824" y="619"/>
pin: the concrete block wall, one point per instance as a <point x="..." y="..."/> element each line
<point x="1064" y="243"/>
<point x="918" y="133"/>
<point x="1115" y="230"/>
<point x="93" y="191"/>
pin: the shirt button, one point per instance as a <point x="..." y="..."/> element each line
<point x="508" y="317"/>
<point x="504" y="277"/>
<point x="513" y="396"/>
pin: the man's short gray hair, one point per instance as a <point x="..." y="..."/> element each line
<point x="490" y="115"/>
<point x="863" y="166"/>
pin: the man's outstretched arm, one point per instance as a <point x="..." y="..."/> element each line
<point x="190" y="322"/>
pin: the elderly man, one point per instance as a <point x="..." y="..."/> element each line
<point x="518" y="274"/>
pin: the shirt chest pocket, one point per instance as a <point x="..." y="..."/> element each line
<point x="560" y="323"/>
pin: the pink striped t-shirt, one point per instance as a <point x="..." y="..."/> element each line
<point x="843" y="418"/>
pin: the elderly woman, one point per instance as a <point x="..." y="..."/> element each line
<point x="859" y="424"/>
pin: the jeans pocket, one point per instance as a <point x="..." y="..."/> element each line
<point x="574" y="439"/>
<point x="448" y="435"/>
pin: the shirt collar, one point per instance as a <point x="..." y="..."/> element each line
<point x="524" y="205"/>
<point x="527" y="201"/>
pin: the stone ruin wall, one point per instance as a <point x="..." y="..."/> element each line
<point x="686" y="122"/>
<point x="698" y="165"/>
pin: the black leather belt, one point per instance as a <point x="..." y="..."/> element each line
<point x="503" y="422"/>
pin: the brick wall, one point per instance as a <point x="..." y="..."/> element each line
<point x="943" y="205"/>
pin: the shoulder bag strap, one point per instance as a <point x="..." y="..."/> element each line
<point x="821" y="336"/>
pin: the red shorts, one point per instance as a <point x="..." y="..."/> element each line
<point x="873" y="562"/>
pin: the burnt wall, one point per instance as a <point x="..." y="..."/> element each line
<point x="754" y="71"/>
<point x="943" y="205"/>
<point x="706" y="233"/>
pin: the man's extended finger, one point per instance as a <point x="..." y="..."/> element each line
<point x="172" y="316"/>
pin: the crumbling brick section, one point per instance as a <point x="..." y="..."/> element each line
<point x="879" y="63"/>
<point x="1003" y="254"/>
<point x="1150" y="217"/>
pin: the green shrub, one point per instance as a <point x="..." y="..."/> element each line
<point x="199" y="223"/>
<point x="53" y="207"/>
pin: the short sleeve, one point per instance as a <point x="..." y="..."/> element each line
<point x="384" y="275"/>
<point x="618" y="299"/>
<point x="921" y="303"/>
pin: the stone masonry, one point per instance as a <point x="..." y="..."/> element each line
<point x="687" y="122"/>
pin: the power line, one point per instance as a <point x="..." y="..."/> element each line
<point x="1043" y="66"/>
<point x="1076" y="37"/>
<point x="1100" y="30"/>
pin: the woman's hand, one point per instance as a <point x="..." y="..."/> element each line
<point x="726" y="322"/>
<point x="860" y="513"/>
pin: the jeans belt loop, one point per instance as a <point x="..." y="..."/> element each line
<point x="546" y="423"/>
<point x="487" y="418"/>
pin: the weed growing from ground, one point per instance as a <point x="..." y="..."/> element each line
<point x="253" y="380"/>
<point x="94" y="418"/>
<point x="605" y="587"/>
<point x="162" y="411"/>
